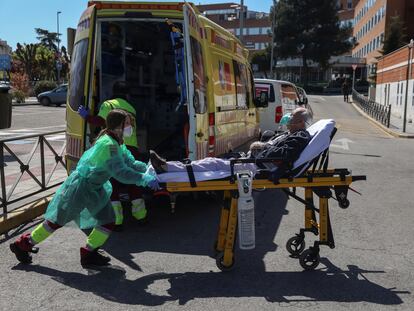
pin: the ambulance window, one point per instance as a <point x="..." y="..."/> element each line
<point x="77" y="74"/>
<point x="240" y="80"/>
<point x="199" y="100"/>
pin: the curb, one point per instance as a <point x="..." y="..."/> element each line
<point x="23" y="214"/>
<point x="26" y="104"/>
<point x="384" y="128"/>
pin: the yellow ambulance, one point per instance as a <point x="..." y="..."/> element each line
<point x="211" y="111"/>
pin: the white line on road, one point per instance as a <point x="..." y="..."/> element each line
<point x="344" y="143"/>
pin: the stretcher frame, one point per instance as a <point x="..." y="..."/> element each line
<point x="320" y="182"/>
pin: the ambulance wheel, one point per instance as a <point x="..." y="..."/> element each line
<point x="309" y="259"/>
<point x="344" y="203"/>
<point x="220" y="264"/>
<point x="295" y="245"/>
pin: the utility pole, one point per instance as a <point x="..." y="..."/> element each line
<point x="410" y="57"/>
<point x="272" y="44"/>
<point x="241" y="20"/>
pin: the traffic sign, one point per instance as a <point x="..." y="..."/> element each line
<point x="354" y="67"/>
<point x="5" y="62"/>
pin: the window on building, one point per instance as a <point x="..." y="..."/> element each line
<point x="254" y="31"/>
<point x="349" y="4"/>
<point x="412" y="99"/>
<point x="398" y="93"/>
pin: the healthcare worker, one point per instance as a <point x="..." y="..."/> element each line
<point x="84" y="196"/>
<point x="139" y="211"/>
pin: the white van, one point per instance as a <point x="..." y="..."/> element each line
<point x="283" y="98"/>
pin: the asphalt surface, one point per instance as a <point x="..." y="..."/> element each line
<point x="167" y="264"/>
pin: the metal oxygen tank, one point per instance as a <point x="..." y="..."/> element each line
<point x="246" y="211"/>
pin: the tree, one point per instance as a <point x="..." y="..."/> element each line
<point x="310" y="29"/>
<point x="262" y="60"/>
<point x="395" y="35"/>
<point x="48" y="39"/>
<point x="45" y="63"/>
<point x="25" y="55"/>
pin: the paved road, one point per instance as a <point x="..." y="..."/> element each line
<point x="166" y="265"/>
<point x="31" y="120"/>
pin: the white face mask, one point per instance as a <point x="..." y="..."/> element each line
<point x="128" y="131"/>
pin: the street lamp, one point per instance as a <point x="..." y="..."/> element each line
<point x="241" y="17"/>
<point x="410" y="56"/>
<point x="272" y="44"/>
<point x="58" y="64"/>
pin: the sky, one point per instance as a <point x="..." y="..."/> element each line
<point x="19" y="18"/>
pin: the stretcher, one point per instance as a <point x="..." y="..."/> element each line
<point x="309" y="172"/>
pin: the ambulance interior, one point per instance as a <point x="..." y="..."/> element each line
<point x="141" y="53"/>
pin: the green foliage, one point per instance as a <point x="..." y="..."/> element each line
<point x="310" y="29"/>
<point x="48" y="39"/>
<point x="26" y="55"/>
<point x="395" y="35"/>
<point x="19" y="96"/>
<point x="43" y="86"/>
<point x="262" y="60"/>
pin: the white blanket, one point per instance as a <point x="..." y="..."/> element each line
<point x="319" y="131"/>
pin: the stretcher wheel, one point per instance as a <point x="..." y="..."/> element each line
<point x="220" y="265"/>
<point x="295" y="245"/>
<point x="309" y="259"/>
<point x="344" y="203"/>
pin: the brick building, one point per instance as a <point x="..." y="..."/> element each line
<point x="392" y="72"/>
<point x="371" y="20"/>
<point x="256" y="25"/>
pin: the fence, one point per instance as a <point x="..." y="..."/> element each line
<point x="381" y="113"/>
<point x="42" y="182"/>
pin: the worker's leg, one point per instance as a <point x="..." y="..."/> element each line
<point x="25" y="243"/>
<point x="138" y="208"/>
<point x="116" y="203"/>
<point x="89" y="254"/>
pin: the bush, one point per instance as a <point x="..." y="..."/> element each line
<point x="19" y="96"/>
<point x="43" y="86"/>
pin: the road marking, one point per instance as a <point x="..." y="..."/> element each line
<point x="344" y="143"/>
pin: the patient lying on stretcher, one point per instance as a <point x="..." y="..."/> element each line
<point x="288" y="145"/>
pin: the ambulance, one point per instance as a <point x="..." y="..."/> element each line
<point x="189" y="79"/>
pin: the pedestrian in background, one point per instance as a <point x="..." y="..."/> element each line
<point x="346" y="88"/>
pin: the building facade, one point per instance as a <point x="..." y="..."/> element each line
<point x="371" y="20"/>
<point x="256" y="25"/>
<point x="395" y="72"/>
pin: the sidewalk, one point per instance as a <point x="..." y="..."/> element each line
<point x="29" y="101"/>
<point x="396" y="125"/>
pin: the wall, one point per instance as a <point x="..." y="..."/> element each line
<point x="392" y="82"/>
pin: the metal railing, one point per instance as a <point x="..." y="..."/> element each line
<point x="381" y="113"/>
<point x="44" y="182"/>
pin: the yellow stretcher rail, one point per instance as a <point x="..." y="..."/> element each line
<point x="319" y="183"/>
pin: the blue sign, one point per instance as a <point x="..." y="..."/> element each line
<point x="5" y="62"/>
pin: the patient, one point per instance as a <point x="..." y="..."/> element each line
<point x="287" y="146"/>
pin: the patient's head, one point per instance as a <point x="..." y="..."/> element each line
<point x="298" y="120"/>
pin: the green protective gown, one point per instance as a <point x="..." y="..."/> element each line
<point x="85" y="195"/>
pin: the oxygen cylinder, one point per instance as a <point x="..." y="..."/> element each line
<point x="246" y="211"/>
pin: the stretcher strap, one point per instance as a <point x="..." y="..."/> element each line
<point x="191" y="176"/>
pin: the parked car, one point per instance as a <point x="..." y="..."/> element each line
<point x="56" y="96"/>
<point x="284" y="97"/>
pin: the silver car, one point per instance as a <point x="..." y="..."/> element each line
<point x="56" y="96"/>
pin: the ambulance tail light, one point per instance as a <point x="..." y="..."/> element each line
<point x="211" y="134"/>
<point x="278" y="114"/>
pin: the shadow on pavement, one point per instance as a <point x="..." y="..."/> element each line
<point x="192" y="229"/>
<point x="328" y="284"/>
